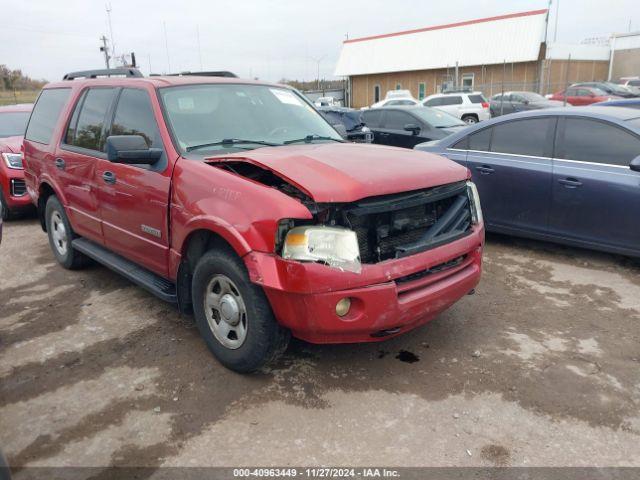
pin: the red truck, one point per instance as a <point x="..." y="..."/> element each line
<point x="13" y="192"/>
<point x="237" y="201"/>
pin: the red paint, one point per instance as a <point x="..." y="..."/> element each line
<point x="189" y="196"/>
<point x="581" y="100"/>
<point x="448" y="25"/>
<point x="12" y="145"/>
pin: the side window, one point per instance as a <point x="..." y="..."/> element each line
<point x="46" y="113"/>
<point x="523" y="137"/>
<point x="455" y="100"/>
<point x="372" y="118"/>
<point x="395" y="120"/>
<point x="571" y="92"/>
<point x="92" y="118"/>
<point x="583" y="92"/>
<point x="462" y="144"/>
<point x="480" y="140"/>
<point x="433" y="102"/>
<point x="477" y="99"/>
<point x="599" y="142"/>
<point x="134" y="116"/>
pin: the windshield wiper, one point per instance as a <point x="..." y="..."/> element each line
<point x="231" y="142"/>
<point x="311" y="138"/>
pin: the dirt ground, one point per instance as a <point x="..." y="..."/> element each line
<point x="540" y="367"/>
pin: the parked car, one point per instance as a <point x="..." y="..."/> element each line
<point x="396" y="98"/>
<point x="623" y="102"/>
<point x="580" y="96"/>
<point x="510" y="102"/>
<point x="470" y="107"/>
<point x="13" y="192"/>
<point x="630" y="81"/>
<point x="351" y="120"/>
<point x="608" y="87"/>
<point x="236" y="200"/>
<point x="408" y="126"/>
<point x="569" y="175"/>
<point x="326" y="102"/>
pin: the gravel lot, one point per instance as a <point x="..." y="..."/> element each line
<point x="540" y="367"/>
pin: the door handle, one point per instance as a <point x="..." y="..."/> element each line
<point x="382" y="134"/>
<point x="570" y="182"/>
<point x="60" y="165"/>
<point x="109" y="177"/>
<point x="485" y="170"/>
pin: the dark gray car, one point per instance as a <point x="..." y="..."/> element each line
<point x="511" y="102"/>
<point x="570" y="175"/>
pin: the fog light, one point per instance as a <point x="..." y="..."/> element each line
<point x="343" y="306"/>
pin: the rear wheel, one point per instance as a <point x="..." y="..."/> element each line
<point x="470" y="119"/>
<point x="61" y="235"/>
<point x="233" y="314"/>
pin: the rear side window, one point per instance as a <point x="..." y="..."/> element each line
<point x="455" y="100"/>
<point x="395" y="120"/>
<point x="598" y="142"/>
<point x="523" y="137"/>
<point x="372" y="118"/>
<point x="88" y="131"/>
<point x="480" y="141"/>
<point x="477" y="99"/>
<point x="46" y="113"/>
<point x="433" y="102"/>
<point x="134" y="116"/>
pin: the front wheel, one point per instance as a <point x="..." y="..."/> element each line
<point x="470" y="119"/>
<point x="233" y="314"/>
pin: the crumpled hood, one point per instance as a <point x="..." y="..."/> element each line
<point x="11" y="144"/>
<point x="345" y="172"/>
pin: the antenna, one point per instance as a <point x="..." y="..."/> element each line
<point x="113" y="42"/>
<point x="166" y="45"/>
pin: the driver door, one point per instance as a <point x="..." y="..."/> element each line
<point x="134" y="199"/>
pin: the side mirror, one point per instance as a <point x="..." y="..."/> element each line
<point x="131" y="149"/>
<point x="635" y="164"/>
<point x="526" y="102"/>
<point x="413" y="128"/>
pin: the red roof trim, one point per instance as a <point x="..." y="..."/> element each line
<point x="449" y="25"/>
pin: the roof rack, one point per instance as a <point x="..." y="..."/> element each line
<point x="221" y="73"/>
<point x="107" y="72"/>
<point x="458" y="90"/>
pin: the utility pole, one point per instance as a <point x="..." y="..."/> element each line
<point x="566" y="82"/>
<point x="113" y="42"/>
<point x="104" y="49"/>
<point x="318" y="60"/>
<point x="555" y="28"/>
<point x="199" y="49"/>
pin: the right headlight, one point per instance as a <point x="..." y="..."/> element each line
<point x="13" y="160"/>
<point x="474" y="200"/>
<point x="335" y="246"/>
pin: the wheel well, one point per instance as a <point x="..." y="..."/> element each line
<point x="45" y="192"/>
<point x="470" y="115"/>
<point x="195" y="246"/>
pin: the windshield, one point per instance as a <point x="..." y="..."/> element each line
<point x="532" y="97"/>
<point x="13" y="124"/>
<point x="437" y="118"/>
<point x="205" y="114"/>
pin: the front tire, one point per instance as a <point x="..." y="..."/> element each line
<point x="6" y="214"/>
<point x="233" y="314"/>
<point x="60" y="236"/>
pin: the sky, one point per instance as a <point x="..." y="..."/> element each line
<point x="268" y="39"/>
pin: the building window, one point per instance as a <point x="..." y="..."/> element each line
<point x="376" y="93"/>
<point x="467" y="80"/>
<point x="398" y="86"/>
<point x="421" y="90"/>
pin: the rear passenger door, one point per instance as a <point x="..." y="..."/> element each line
<point x="596" y="196"/>
<point x="134" y="199"/>
<point x="81" y="147"/>
<point x="511" y="165"/>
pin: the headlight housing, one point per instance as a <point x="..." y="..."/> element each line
<point x="13" y="160"/>
<point x="335" y="246"/>
<point x="474" y="200"/>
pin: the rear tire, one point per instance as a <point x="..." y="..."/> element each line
<point x="233" y="314"/>
<point x="470" y="119"/>
<point x="61" y="235"/>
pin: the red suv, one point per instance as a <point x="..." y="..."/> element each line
<point x="237" y="201"/>
<point x="13" y="193"/>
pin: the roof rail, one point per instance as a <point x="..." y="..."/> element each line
<point x="221" y="73"/>
<point x="107" y="72"/>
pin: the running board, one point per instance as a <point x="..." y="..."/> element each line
<point x="148" y="280"/>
